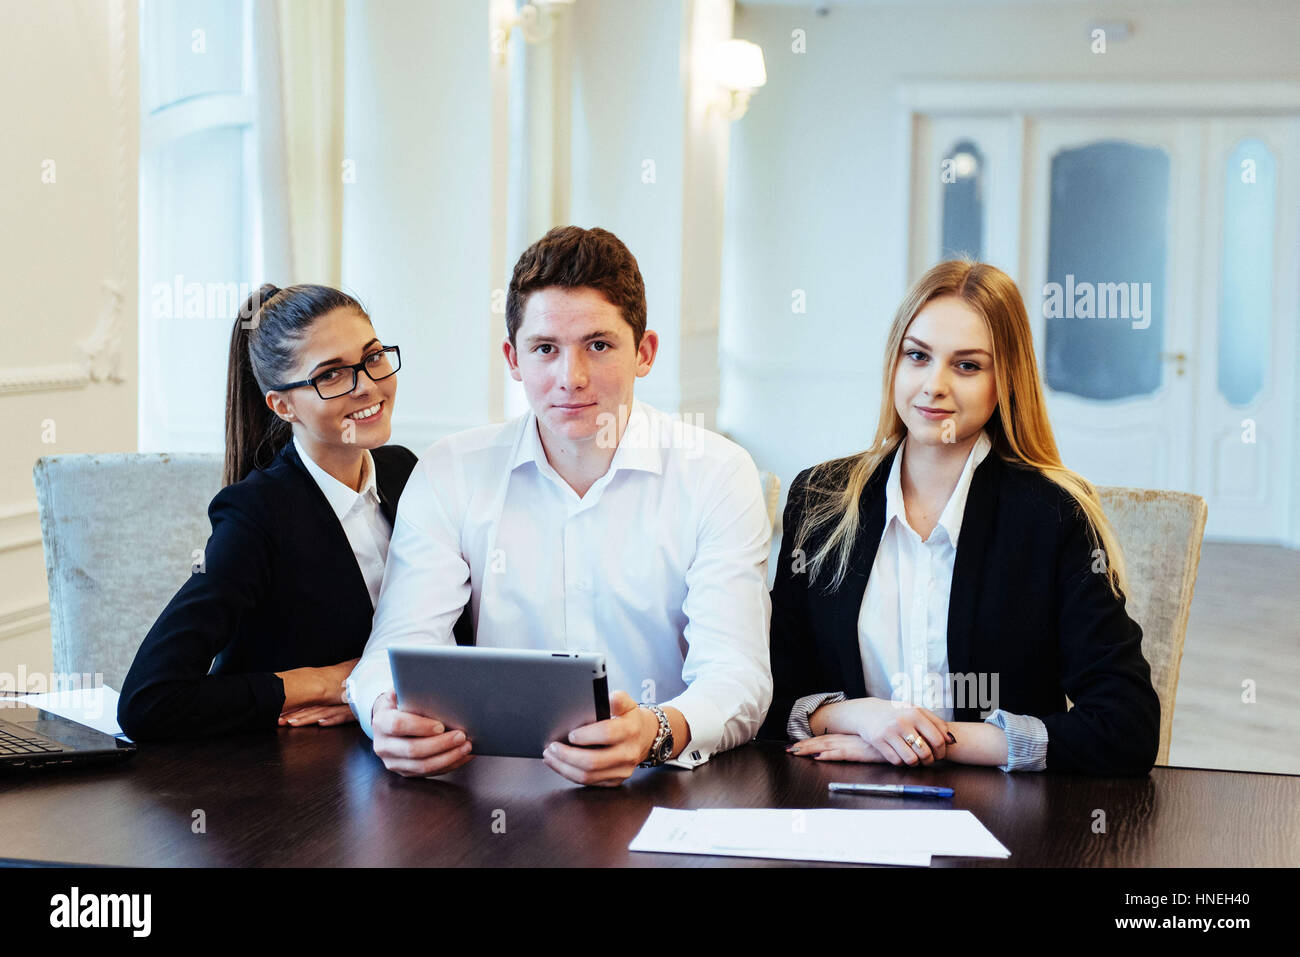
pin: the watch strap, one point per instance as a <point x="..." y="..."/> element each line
<point x="658" y="753"/>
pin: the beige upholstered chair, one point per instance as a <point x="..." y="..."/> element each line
<point x="121" y="534"/>
<point x="771" y="485"/>
<point x="1160" y="533"/>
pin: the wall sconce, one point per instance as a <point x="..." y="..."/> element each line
<point x="739" y="70"/>
<point x="536" y="23"/>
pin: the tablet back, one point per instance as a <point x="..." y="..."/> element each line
<point x="509" y="702"/>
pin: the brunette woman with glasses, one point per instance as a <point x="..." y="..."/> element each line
<point x="270" y="624"/>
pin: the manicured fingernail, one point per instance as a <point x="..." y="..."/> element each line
<point x="793" y="749"/>
<point x="951" y="739"/>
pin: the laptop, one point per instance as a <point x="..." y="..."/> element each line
<point x="31" y="737"/>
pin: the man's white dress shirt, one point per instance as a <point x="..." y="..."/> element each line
<point x="661" y="566"/>
<point x="360" y="515"/>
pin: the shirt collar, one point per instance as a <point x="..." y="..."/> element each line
<point x="341" y="498"/>
<point x="950" y="520"/>
<point x="641" y="446"/>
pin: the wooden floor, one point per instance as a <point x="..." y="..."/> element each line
<point x="1244" y="625"/>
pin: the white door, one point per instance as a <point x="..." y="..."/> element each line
<point x="1247" y="322"/>
<point x="969" y="170"/>
<point x="1157" y="260"/>
<point x="1111" y="211"/>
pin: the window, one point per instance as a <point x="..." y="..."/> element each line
<point x="198" y="207"/>
<point x="963" y="202"/>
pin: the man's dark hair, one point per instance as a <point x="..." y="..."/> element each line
<point x="571" y="256"/>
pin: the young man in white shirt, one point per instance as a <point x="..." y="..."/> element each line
<point x="593" y="523"/>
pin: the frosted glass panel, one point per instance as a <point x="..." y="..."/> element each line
<point x="1104" y="306"/>
<point x="189" y="48"/>
<point x="1246" y="290"/>
<point x="963" y="203"/>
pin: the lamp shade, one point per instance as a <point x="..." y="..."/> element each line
<point x="738" y="65"/>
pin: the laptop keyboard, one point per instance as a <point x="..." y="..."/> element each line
<point x="15" y="741"/>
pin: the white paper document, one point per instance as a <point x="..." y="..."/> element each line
<point x="906" y="837"/>
<point x="94" y="707"/>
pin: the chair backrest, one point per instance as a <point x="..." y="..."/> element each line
<point x="1160" y="534"/>
<point x="771" y="485"/>
<point x="121" y="533"/>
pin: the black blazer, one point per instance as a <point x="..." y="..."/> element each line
<point x="1025" y="604"/>
<point x="280" y="589"/>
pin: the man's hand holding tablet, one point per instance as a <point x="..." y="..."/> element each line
<point x="413" y="745"/>
<point x="604" y="753"/>
<point x="607" y="752"/>
<point x="517" y="703"/>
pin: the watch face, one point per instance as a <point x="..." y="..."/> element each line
<point x="666" y="748"/>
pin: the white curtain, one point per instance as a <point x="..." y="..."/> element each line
<point x="299" y="63"/>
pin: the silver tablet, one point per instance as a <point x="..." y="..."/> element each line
<point x="509" y="703"/>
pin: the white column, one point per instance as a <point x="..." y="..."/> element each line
<point x="420" y="244"/>
<point x="648" y="162"/>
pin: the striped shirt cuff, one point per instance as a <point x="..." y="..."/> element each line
<point x="797" y="726"/>
<point x="1026" y="740"/>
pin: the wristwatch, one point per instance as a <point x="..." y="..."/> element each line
<point x="662" y="749"/>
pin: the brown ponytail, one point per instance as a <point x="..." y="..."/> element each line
<point x="263" y="348"/>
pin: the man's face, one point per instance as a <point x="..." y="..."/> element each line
<point x="575" y="356"/>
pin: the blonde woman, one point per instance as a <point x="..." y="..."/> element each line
<point x="956" y="569"/>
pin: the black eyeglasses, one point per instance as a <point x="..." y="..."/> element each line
<point x="333" y="383"/>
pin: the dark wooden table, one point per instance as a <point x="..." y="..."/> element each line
<point x="320" y="798"/>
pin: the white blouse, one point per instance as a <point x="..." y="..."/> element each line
<point x="903" y="620"/>
<point x="361" y="516"/>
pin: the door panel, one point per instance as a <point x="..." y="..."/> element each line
<point x="1107" y="206"/>
<point x="1247" y="321"/>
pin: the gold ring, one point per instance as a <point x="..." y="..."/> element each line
<point x="910" y="740"/>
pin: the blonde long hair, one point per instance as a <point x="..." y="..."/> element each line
<point x="1021" y="433"/>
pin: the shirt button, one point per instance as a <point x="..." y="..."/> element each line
<point x="580" y="585"/>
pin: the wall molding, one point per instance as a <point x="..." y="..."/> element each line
<point x="945" y="97"/>
<point x="101" y="355"/>
<point x="20" y="526"/>
<point x="24" y="619"/>
<point x="101" y="349"/>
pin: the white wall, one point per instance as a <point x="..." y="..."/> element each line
<point x="68" y="244"/>
<point x="815" y="166"/>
